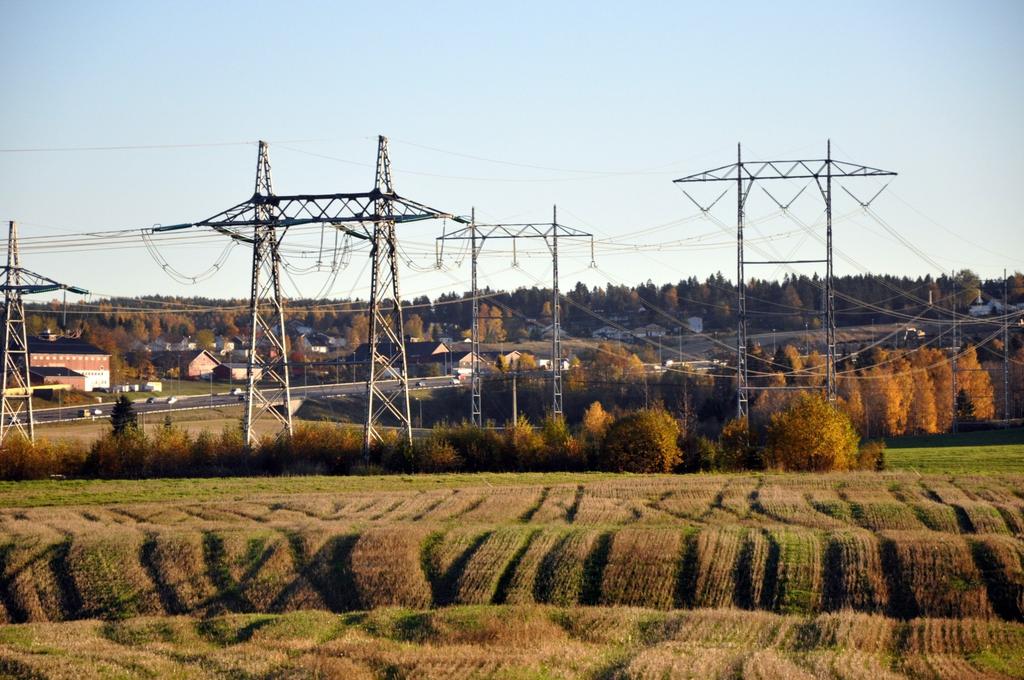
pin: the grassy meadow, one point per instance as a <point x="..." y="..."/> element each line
<point x="895" y="574"/>
<point x="985" y="451"/>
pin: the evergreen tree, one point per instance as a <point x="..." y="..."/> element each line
<point x="123" y="417"/>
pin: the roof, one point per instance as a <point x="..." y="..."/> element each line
<point x="413" y="350"/>
<point x="172" y="358"/>
<point x="37" y="345"/>
<point x="55" y="371"/>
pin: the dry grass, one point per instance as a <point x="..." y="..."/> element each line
<point x="515" y="642"/>
<point x="900" y="544"/>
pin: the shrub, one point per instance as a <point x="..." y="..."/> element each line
<point x="813" y="435"/>
<point x="736" y="447"/>
<point x="435" y="454"/>
<point x="871" y="455"/>
<point x="702" y="454"/>
<point x="642" y="441"/>
<point x="525" y="445"/>
<point x="22" y="459"/>
<point x="119" y="455"/>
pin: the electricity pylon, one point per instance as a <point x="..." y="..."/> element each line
<point x="369" y="215"/>
<point x="744" y="174"/>
<point x="16" y="409"/>
<point x="477" y="234"/>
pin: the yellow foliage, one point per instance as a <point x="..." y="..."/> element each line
<point x="811" y="435"/>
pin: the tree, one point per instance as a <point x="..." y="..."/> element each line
<point x="923" y="417"/>
<point x="414" y="326"/>
<point x="811" y="435"/>
<point x="964" y="406"/>
<point x="736" y="451"/>
<point x="359" y="331"/>
<point x="977" y="384"/>
<point x="123" y="418"/>
<point x="205" y="340"/>
<point x="596" y="422"/>
<point x="642" y="441"/>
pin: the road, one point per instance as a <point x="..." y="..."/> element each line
<point x="193" y="402"/>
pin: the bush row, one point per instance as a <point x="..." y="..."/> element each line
<point x="810" y="435"/>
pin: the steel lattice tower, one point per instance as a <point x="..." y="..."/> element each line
<point x="16" y="409"/>
<point x="745" y="174"/>
<point x="387" y="387"/>
<point x="477" y="234"/>
<point x="267" y="387"/>
<point x="367" y="215"/>
<point x="16" y="412"/>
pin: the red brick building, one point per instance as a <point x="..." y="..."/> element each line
<point x="50" y="350"/>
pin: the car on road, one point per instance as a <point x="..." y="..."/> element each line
<point x="97" y="412"/>
<point x="172" y="400"/>
<point x="456" y="381"/>
<point x="236" y="392"/>
<point x="84" y="413"/>
<point x="421" y="383"/>
<point x="151" y="400"/>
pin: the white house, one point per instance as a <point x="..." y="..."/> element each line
<point x="993" y="306"/>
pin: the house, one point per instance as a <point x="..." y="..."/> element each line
<point x="545" y="362"/>
<point x="695" y="324"/>
<point x="415" y="352"/>
<point x="193" y="365"/>
<point x="315" y="343"/>
<point x="993" y="306"/>
<point x="183" y="345"/>
<point x="50" y="350"/>
<point x="507" y="358"/>
<point x="610" y="333"/>
<point x="57" y="375"/>
<point x="236" y="372"/>
<point x="462" y="363"/>
<point x="651" y="330"/>
<point x="224" y="345"/>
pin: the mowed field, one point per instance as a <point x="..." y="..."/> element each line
<point x="751" y="575"/>
<point x="985" y="451"/>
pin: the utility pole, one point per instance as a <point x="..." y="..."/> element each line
<point x="16" y="413"/>
<point x="367" y="215"/>
<point x="476" y="411"/>
<point x="956" y="351"/>
<point x="550" y="233"/>
<point x="556" y="323"/>
<point x="745" y="174"/>
<point x="515" y="404"/>
<point x="1006" y="355"/>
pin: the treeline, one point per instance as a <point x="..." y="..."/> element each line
<point x="809" y="434"/>
<point x="792" y="303"/>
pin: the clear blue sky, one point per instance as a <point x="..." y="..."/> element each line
<point x="612" y="100"/>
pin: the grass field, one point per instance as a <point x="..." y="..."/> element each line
<point x="895" y="574"/>
<point x="194" y="421"/>
<point x="987" y="451"/>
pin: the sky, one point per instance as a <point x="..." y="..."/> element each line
<point x="512" y="109"/>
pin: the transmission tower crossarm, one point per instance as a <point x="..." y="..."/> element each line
<point x="785" y="169"/>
